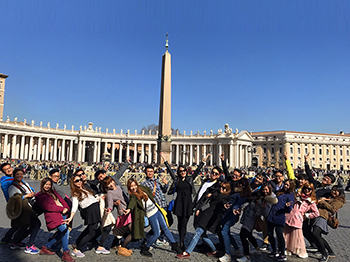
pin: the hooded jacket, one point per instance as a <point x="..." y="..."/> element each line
<point x="296" y="216"/>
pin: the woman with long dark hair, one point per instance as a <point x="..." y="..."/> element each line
<point x="241" y="195"/>
<point x="90" y="208"/>
<point x="183" y="186"/>
<point x="277" y="218"/>
<point x="142" y="204"/>
<point x="55" y="210"/>
<point x="327" y="208"/>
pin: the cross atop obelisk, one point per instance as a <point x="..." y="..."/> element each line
<point x="164" y="133"/>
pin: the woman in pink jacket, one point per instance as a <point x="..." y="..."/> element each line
<point x="55" y="210"/>
<point x="305" y="207"/>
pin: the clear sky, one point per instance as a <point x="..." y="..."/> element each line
<point x="256" y="65"/>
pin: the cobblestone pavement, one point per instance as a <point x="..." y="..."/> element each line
<point x="338" y="240"/>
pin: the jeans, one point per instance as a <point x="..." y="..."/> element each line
<point x="197" y="234"/>
<point x="157" y="222"/>
<point x="246" y="235"/>
<point x="229" y="220"/>
<point x="63" y="233"/>
<point x="280" y="237"/>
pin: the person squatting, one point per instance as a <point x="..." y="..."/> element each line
<point x="285" y="207"/>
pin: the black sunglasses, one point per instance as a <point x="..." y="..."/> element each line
<point x="78" y="180"/>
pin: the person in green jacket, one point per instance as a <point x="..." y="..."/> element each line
<point x="142" y="204"/>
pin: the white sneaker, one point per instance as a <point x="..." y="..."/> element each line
<point x="243" y="259"/>
<point x="287" y="253"/>
<point x="225" y="258"/>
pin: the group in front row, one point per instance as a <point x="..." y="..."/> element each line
<point x="288" y="206"/>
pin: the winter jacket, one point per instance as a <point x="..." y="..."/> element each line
<point x="248" y="217"/>
<point x="210" y="215"/>
<point x="52" y="212"/>
<point x="328" y="208"/>
<point x="278" y="211"/>
<point x="296" y="217"/>
<point x="264" y="205"/>
<point x="6" y="182"/>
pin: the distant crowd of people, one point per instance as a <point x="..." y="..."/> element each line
<point x="287" y="207"/>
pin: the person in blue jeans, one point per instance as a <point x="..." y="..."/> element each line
<point x="142" y="204"/>
<point x="232" y="215"/>
<point x="208" y="216"/>
<point x="55" y="211"/>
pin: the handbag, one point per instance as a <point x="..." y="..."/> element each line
<point x="333" y="222"/>
<point x="172" y="202"/>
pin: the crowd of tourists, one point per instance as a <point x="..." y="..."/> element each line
<point x="286" y="207"/>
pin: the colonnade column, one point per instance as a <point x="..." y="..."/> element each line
<point x="71" y="150"/>
<point x="105" y="149"/>
<point x="95" y="152"/>
<point x="120" y="152"/>
<point x="142" y="153"/>
<point x="54" y="158"/>
<point x="184" y="154"/>
<point x="47" y="149"/>
<point x="135" y="153"/>
<point x="177" y="154"/>
<point x="191" y="155"/>
<point x="211" y="155"/>
<point x="231" y="154"/>
<point x="149" y="154"/>
<point x="219" y="153"/>
<point x="30" y="148"/>
<point x="98" y="151"/>
<point x="198" y="156"/>
<point x="113" y="152"/>
<point x="79" y="151"/>
<point x="63" y="153"/>
<point x="13" y="153"/>
<point x="5" y="153"/>
<point x="83" y="152"/>
<point x="22" y="147"/>
<point x="39" y="149"/>
<point x="127" y="150"/>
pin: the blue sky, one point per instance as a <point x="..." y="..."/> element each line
<point x="257" y="65"/>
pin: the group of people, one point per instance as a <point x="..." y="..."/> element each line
<point x="288" y="206"/>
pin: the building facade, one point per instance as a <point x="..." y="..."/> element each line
<point x="326" y="151"/>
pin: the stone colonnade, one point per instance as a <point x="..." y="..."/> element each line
<point x="28" y="142"/>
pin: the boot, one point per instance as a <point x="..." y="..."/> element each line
<point x="66" y="257"/>
<point x="45" y="251"/>
<point x="122" y="251"/>
<point x="145" y="252"/>
<point x="175" y="247"/>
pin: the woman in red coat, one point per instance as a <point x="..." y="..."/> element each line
<point x="55" y="211"/>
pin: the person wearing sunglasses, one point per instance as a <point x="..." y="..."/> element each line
<point x="89" y="204"/>
<point x="304" y="207"/>
<point x="183" y="186"/>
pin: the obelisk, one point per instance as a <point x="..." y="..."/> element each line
<point x="164" y="127"/>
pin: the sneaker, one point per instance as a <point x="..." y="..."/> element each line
<point x="17" y="246"/>
<point x="212" y="254"/>
<point x="31" y="250"/>
<point x="243" y="259"/>
<point x="162" y="242"/>
<point x="281" y="257"/>
<point x="102" y="251"/>
<point x="311" y="249"/>
<point x="264" y="247"/>
<point x="287" y="253"/>
<point x="78" y="253"/>
<point x="183" y="256"/>
<point x="331" y="254"/>
<point x="324" y="258"/>
<point x="305" y="255"/>
<point x="45" y="251"/>
<point x="225" y="258"/>
<point x="272" y="255"/>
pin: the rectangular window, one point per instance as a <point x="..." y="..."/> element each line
<point x="272" y="150"/>
<point x="334" y="152"/>
<point x="320" y="151"/>
<point x="264" y="150"/>
<point x="327" y="151"/>
<point x="299" y="150"/>
<point x="313" y="151"/>
<point x="306" y="150"/>
<point x="291" y="150"/>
